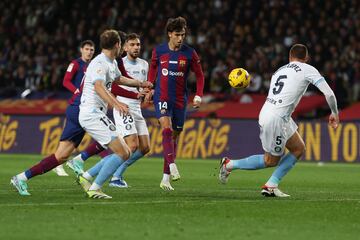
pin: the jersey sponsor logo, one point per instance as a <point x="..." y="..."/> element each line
<point x="70" y="67"/>
<point x="166" y="72"/>
<point x="176" y="74"/>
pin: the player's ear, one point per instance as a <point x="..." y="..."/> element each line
<point x="169" y="34"/>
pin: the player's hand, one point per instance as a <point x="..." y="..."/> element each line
<point x="149" y="96"/>
<point x="121" y="107"/>
<point x="196" y="101"/>
<point x="146" y="84"/>
<point x="141" y="95"/>
<point x="334" y="120"/>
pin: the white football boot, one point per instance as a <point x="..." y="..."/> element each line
<point x="273" y="192"/>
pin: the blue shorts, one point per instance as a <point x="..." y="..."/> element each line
<point x="166" y="108"/>
<point x="72" y="130"/>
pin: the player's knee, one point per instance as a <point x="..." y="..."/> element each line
<point x="124" y="153"/>
<point x="133" y="147"/>
<point x="271" y="161"/>
<point x="299" y="151"/>
<point x="62" y="156"/>
<point x="145" y="149"/>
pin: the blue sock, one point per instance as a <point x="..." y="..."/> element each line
<point x="287" y="162"/>
<point x="250" y="163"/>
<point x="84" y="155"/>
<point x="110" y="164"/>
<point x="133" y="158"/>
<point x="97" y="167"/>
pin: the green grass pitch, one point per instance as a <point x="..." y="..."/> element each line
<point x="324" y="204"/>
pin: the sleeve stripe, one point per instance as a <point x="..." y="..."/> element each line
<point x="319" y="81"/>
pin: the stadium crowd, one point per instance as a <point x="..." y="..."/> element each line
<point x="39" y="39"/>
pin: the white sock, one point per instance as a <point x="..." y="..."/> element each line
<point x="94" y="187"/>
<point x="87" y="176"/>
<point x="229" y="165"/>
<point x="166" y="178"/>
<point x="22" y="176"/>
<point x="78" y="158"/>
<point x="114" y="178"/>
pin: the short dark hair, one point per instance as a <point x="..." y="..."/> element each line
<point x="123" y="37"/>
<point x="108" y="39"/>
<point x="299" y="51"/>
<point x="132" y="36"/>
<point x="176" y="24"/>
<point x="87" y="42"/>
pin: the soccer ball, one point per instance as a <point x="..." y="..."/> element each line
<point x="239" y="78"/>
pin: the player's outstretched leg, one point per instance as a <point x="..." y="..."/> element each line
<point x="77" y="163"/>
<point x="45" y="165"/>
<point x="117" y="180"/>
<point x="85" y="179"/>
<point x="110" y="164"/>
<point x="250" y="163"/>
<point x="270" y="189"/>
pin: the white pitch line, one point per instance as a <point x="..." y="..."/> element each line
<point x="194" y="201"/>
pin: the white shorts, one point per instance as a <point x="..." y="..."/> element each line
<point x="132" y="123"/>
<point x="98" y="126"/>
<point x="275" y="132"/>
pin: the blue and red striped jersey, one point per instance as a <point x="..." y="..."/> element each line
<point x="73" y="78"/>
<point x="169" y="71"/>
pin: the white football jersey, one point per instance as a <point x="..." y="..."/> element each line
<point x="100" y="68"/>
<point x="138" y="70"/>
<point x="288" y="85"/>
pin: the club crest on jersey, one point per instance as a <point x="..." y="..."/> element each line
<point x="164" y="72"/>
<point x="182" y="63"/>
<point x="112" y="128"/>
<point x="163" y="111"/>
<point x="143" y="72"/>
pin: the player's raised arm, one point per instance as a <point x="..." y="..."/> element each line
<point x="331" y="100"/>
<point x="133" y="82"/>
<point x="196" y="68"/>
<point x="69" y="75"/>
<point x="153" y="67"/>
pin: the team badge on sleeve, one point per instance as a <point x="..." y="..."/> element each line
<point x="70" y="67"/>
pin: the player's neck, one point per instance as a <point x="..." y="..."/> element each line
<point x="85" y="60"/>
<point x="130" y="58"/>
<point x="109" y="53"/>
<point x="173" y="47"/>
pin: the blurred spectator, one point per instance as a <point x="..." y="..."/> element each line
<point x="42" y="37"/>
